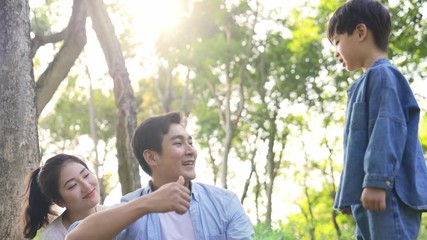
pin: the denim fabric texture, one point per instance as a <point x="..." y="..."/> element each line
<point x="382" y="150"/>
<point x="381" y="144"/>
<point x="216" y="213"/>
<point x="397" y="222"/>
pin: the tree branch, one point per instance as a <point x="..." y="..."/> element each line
<point x="40" y="40"/>
<point x="58" y="69"/>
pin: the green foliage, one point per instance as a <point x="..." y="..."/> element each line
<point x="423" y="133"/>
<point x="37" y="237"/>
<point x="320" y="224"/>
<point x="408" y="36"/>
<point x="148" y="101"/>
<point x="294" y="62"/>
<point x="264" y="232"/>
<point x="45" y="16"/>
<point x="209" y="119"/>
<point x="423" y="229"/>
<point x="70" y="117"/>
<point x="327" y="8"/>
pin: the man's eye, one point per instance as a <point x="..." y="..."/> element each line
<point x="87" y="175"/>
<point x="336" y="42"/>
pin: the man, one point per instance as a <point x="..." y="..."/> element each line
<point x="165" y="151"/>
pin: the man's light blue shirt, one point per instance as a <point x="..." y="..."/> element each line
<point x="216" y="214"/>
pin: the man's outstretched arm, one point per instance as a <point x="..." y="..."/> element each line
<point x="170" y="197"/>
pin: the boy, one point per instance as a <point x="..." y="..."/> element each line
<point x="191" y="210"/>
<point x="384" y="176"/>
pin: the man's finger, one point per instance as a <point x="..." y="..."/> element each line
<point x="181" y="180"/>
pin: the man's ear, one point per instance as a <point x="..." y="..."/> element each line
<point x="361" y="31"/>
<point x="150" y="157"/>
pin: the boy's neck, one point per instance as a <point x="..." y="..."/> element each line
<point x="372" y="58"/>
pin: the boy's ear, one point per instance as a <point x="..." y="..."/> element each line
<point x="362" y="31"/>
<point x="150" y="157"/>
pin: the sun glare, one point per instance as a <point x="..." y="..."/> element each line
<point x="156" y="15"/>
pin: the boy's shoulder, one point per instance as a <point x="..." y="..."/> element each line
<point x="383" y="74"/>
<point x="383" y="65"/>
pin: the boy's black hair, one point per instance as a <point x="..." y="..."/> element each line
<point x="369" y="12"/>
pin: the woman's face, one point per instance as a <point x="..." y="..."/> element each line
<point x="78" y="187"/>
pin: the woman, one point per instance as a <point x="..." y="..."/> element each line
<point x="66" y="181"/>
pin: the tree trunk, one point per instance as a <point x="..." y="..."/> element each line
<point x="274" y="160"/>
<point x="329" y="174"/>
<point x="92" y="124"/>
<point x="74" y="37"/>
<point x="229" y="133"/>
<point x="310" y="205"/>
<point x="19" y="151"/>
<point x="125" y="100"/>
<point x="270" y="168"/>
<point x="166" y="94"/>
<point x="229" y="125"/>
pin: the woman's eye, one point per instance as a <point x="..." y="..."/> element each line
<point x="72" y="186"/>
<point x="87" y="175"/>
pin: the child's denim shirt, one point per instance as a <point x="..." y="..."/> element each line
<point x="381" y="144"/>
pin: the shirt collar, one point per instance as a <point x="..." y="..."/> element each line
<point x="194" y="194"/>
<point x="380" y="61"/>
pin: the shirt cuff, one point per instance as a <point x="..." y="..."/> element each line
<point x="378" y="182"/>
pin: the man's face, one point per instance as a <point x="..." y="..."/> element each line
<point x="178" y="157"/>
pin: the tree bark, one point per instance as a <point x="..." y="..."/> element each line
<point x="165" y="96"/>
<point x="228" y="124"/>
<point x="19" y="152"/>
<point x="125" y="100"/>
<point x="74" y="42"/>
<point x="270" y="166"/>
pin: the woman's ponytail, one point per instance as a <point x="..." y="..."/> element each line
<point x="36" y="207"/>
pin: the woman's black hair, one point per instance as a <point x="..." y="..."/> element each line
<point x="42" y="192"/>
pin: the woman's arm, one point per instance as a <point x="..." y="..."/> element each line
<point x="170" y="197"/>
